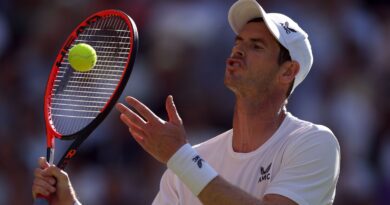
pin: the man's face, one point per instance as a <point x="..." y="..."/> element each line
<point x="252" y="67"/>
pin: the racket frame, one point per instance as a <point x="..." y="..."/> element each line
<point x="82" y="134"/>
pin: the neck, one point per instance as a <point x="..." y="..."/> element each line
<point x="255" y="121"/>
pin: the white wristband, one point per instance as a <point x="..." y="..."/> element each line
<point x="191" y="168"/>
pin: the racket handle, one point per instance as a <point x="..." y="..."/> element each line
<point x="40" y="200"/>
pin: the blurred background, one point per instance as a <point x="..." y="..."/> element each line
<point x="183" y="48"/>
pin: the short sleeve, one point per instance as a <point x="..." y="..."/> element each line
<point x="309" y="169"/>
<point x="167" y="194"/>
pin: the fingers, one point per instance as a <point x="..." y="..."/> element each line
<point x="132" y="118"/>
<point x="43" y="187"/>
<point x="172" y="111"/>
<point x="43" y="184"/>
<point x="56" y="173"/>
<point x="53" y="183"/>
<point x="38" y="190"/>
<point x="50" y="176"/>
<point x="137" y="135"/>
<point x="141" y="109"/>
<point x="133" y="129"/>
<point x="40" y="172"/>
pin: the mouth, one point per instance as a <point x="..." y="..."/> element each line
<point x="234" y="63"/>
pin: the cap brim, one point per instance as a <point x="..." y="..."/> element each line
<point x="245" y="10"/>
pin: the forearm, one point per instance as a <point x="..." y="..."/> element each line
<point x="219" y="191"/>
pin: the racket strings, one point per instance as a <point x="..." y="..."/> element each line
<point x="78" y="97"/>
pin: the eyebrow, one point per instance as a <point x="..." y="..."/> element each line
<point x="255" y="40"/>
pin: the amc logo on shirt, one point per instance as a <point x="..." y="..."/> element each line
<point x="265" y="173"/>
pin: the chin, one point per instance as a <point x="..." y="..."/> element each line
<point x="230" y="85"/>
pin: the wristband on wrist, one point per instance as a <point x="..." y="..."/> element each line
<point x="193" y="171"/>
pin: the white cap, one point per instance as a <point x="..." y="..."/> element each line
<point x="285" y="30"/>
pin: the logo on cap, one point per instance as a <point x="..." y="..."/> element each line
<point x="287" y="29"/>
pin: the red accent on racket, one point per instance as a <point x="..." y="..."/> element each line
<point x="77" y="102"/>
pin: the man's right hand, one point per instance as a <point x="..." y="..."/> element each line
<point x="52" y="183"/>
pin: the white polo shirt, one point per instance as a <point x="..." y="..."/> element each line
<point x="300" y="161"/>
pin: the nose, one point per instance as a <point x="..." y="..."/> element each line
<point x="238" y="50"/>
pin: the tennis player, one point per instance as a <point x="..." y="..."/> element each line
<point x="269" y="156"/>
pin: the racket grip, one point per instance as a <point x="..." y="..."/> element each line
<point x="41" y="201"/>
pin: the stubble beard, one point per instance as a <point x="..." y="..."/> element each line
<point x="249" y="88"/>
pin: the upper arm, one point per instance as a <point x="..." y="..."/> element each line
<point x="309" y="170"/>
<point x="219" y="191"/>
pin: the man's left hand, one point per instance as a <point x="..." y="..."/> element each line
<point x="158" y="137"/>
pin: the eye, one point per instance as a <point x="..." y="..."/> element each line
<point x="257" y="47"/>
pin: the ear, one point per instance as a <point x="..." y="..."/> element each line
<point x="288" y="71"/>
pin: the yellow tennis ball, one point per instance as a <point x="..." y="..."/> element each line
<point x="82" y="57"/>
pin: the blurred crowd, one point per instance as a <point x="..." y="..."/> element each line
<point x="183" y="48"/>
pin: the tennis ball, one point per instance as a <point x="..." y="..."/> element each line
<point x="82" y="57"/>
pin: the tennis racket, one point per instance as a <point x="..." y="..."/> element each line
<point x="77" y="102"/>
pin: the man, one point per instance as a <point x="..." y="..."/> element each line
<point x="270" y="156"/>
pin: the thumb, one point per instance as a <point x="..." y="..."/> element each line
<point x="43" y="164"/>
<point x="172" y="111"/>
